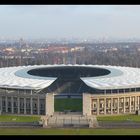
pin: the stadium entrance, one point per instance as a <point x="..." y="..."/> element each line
<point x="67" y="112"/>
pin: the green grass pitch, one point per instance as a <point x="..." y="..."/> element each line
<point x="67" y="104"/>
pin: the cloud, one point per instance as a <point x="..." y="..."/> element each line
<point x="69" y="20"/>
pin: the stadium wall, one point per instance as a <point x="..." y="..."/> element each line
<point x="113" y="104"/>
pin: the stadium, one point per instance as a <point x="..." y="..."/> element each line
<point x="89" y="89"/>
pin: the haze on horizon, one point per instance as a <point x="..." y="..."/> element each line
<point x="70" y="21"/>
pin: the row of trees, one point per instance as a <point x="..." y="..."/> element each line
<point x="122" y="57"/>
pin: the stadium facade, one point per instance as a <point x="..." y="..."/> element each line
<point x="105" y="90"/>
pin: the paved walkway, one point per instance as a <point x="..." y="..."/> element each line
<point x="119" y="124"/>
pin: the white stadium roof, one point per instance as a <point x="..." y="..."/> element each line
<point x="118" y="78"/>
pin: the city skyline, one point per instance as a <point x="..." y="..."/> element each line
<point x="69" y="21"/>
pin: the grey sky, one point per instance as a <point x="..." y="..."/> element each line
<point x="73" y="21"/>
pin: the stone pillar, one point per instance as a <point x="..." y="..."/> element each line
<point x="118" y="106"/>
<point x="135" y="103"/>
<point x="0" y="104"/>
<point x="49" y="104"/>
<point x="98" y="107"/>
<point x="124" y="105"/>
<point x="130" y="104"/>
<point x="12" y="104"/>
<point x="138" y="102"/>
<point x="38" y="105"/>
<point x="104" y="106"/>
<point x="24" y="105"/>
<point x="18" y="104"/>
<point x="6" y="104"/>
<point x="31" y="105"/>
<point x="111" y="105"/>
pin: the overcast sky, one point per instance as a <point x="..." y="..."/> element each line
<point x="70" y="21"/>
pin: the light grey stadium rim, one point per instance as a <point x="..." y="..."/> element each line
<point x="23" y="72"/>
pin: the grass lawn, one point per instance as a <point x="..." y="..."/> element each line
<point x="67" y="104"/>
<point x="16" y="118"/>
<point x="135" y="118"/>
<point x="26" y="131"/>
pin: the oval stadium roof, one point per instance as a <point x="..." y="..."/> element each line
<point x="119" y="77"/>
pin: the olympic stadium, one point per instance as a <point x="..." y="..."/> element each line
<point x="100" y="89"/>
